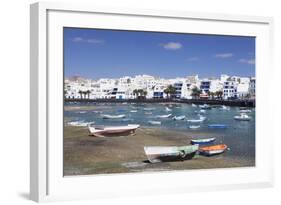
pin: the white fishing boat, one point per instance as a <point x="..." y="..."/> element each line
<point x="168" y="109"/>
<point x="80" y="123"/>
<point x="113" y="116"/>
<point x="101" y="130"/>
<point x="201" y="119"/>
<point x="149" y="108"/>
<point x="164" y="116"/>
<point x="181" y="117"/>
<point x="148" y="113"/>
<point x="194" y="126"/>
<point x="225" y="107"/>
<point x="133" y="111"/>
<point x="154" y="122"/>
<point x="245" y="111"/>
<point x="202" y="111"/>
<point x="205" y="106"/>
<point x="170" y="153"/>
<point x="193" y="105"/>
<point x="242" y="117"/>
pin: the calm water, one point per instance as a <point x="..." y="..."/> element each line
<point x="239" y="135"/>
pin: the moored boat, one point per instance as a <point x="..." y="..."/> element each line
<point x="203" y="141"/>
<point x="213" y="149"/>
<point x="242" y="117"/>
<point x="219" y="126"/>
<point x="164" y="116"/>
<point x="181" y="117"/>
<point x="194" y="126"/>
<point x="168" y="109"/>
<point x="193" y="105"/>
<point x="205" y="106"/>
<point x="245" y="111"/>
<point x="154" y="122"/>
<point x="113" y="116"/>
<point x="100" y="130"/>
<point x="170" y="153"/>
<point x="148" y="108"/>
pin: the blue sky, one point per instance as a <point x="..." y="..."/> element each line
<point x="95" y="54"/>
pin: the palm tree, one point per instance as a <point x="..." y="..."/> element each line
<point x="196" y="92"/>
<point x="88" y="92"/>
<point x="170" y="91"/>
<point x="145" y="93"/>
<point x="80" y="92"/>
<point x="135" y="93"/>
<point x="212" y="94"/>
<point x="219" y="94"/>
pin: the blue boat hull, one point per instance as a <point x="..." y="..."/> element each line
<point x="217" y="126"/>
<point x="201" y="143"/>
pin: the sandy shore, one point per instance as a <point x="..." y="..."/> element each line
<point x="84" y="155"/>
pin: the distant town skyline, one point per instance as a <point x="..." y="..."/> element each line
<point x="96" y="53"/>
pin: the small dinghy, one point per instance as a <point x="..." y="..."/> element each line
<point x="164" y="116"/>
<point x="225" y="107"/>
<point x="205" y="106"/>
<point x="101" y="130"/>
<point x="245" y="111"/>
<point x="203" y="141"/>
<point x="193" y="105"/>
<point x="170" y="153"/>
<point x="201" y="119"/>
<point x="213" y="150"/>
<point x="181" y="117"/>
<point x="113" y="116"/>
<point x="148" y="108"/>
<point x="148" y="113"/>
<point x="219" y="126"/>
<point x="80" y="123"/>
<point x="168" y="109"/>
<point x="242" y="117"/>
<point x="154" y="122"/>
<point x="194" y="127"/>
<point x="202" y="111"/>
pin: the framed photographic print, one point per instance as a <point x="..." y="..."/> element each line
<point x="127" y="102"/>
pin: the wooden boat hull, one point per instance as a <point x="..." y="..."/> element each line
<point x="170" y="153"/>
<point x="203" y="141"/>
<point x="213" y="150"/>
<point x="112" y="131"/>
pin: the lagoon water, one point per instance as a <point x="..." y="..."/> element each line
<point x="239" y="135"/>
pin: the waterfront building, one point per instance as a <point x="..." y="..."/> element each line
<point x="229" y="90"/>
<point x="252" y="87"/>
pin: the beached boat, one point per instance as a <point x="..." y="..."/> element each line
<point x="154" y="122"/>
<point x="203" y="141"/>
<point x="113" y="116"/>
<point x="164" y="116"/>
<point x="213" y="150"/>
<point x="194" y="126"/>
<point x="242" y="117"/>
<point x="101" y="130"/>
<point x="181" y="117"/>
<point x="170" y="153"/>
<point x="219" y="126"/>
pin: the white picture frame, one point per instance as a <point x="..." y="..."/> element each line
<point x="46" y="179"/>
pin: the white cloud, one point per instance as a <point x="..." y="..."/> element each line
<point x="172" y="46"/>
<point x="193" y="59"/>
<point x="87" y="40"/>
<point x="247" y="61"/>
<point x="224" y="55"/>
<point x="77" y="39"/>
